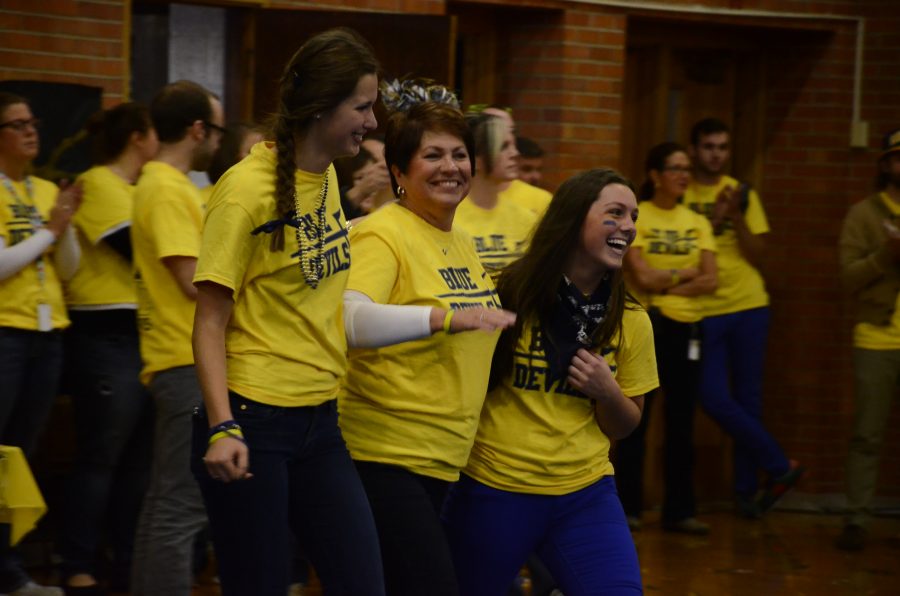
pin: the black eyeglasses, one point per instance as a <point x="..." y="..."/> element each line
<point x="21" y="125"/>
<point x="215" y="127"/>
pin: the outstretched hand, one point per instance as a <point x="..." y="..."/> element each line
<point x="484" y="319"/>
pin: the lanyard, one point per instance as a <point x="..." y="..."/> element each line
<point x="35" y="219"/>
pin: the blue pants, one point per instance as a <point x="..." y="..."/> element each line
<point x="582" y="538"/>
<point x="303" y="482"/>
<point x="113" y="420"/>
<point x="30" y="366"/>
<point x="734" y="351"/>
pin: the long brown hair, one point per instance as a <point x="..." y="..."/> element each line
<point x="323" y="72"/>
<point x="529" y="285"/>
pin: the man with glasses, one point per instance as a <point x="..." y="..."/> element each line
<point x="736" y="323"/>
<point x="165" y="236"/>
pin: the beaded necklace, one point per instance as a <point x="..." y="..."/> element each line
<point x="311" y="264"/>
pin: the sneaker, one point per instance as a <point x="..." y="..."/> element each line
<point x="688" y="525"/>
<point x="780" y="486"/>
<point x="33" y="589"/>
<point x="853" y="538"/>
<point x="746" y="507"/>
<point x="634" y="523"/>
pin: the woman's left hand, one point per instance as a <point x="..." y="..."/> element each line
<point x="591" y="374"/>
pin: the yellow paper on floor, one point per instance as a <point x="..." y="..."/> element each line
<point x="21" y="502"/>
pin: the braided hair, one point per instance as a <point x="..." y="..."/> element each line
<point x="323" y="72"/>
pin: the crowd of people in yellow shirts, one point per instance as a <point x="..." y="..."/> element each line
<point x="420" y="399"/>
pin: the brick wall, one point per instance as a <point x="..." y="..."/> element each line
<point x="68" y="41"/>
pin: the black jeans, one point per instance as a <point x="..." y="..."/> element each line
<point x="303" y="481"/>
<point x="114" y="432"/>
<point x="407" y="509"/>
<point x="679" y="379"/>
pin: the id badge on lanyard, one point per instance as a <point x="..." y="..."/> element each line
<point x="44" y="311"/>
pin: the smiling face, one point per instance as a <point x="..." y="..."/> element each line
<point x="20" y="146"/>
<point x="342" y="129"/>
<point x="609" y="228"/>
<point x="438" y="175"/>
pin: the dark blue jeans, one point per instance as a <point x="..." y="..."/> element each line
<point x="734" y="353"/>
<point x="114" y="436"/>
<point x="30" y="366"/>
<point x="581" y="537"/>
<point x="679" y="379"/>
<point x="303" y="482"/>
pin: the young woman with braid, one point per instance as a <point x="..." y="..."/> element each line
<point x="269" y="340"/>
<point x="566" y="380"/>
<point x="409" y="411"/>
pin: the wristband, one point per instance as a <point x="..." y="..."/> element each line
<point x="224" y="426"/>
<point x="447" y="318"/>
<point x="234" y="433"/>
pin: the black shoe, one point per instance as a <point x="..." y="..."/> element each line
<point x="852" y="538"/>
<point x="746" y="507"/>
<point x="688" y="525"/>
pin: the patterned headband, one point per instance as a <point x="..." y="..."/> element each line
<point x="400" y="96"/>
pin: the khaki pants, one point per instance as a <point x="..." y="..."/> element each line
<point x="876" y="376"/>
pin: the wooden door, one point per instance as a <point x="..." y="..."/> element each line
<point x="670" y="83"/>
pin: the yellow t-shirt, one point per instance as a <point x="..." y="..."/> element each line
<point x="285" y="342"/>
<point x="525" y="195"/>
<point x="21" y="293"/>
<point x="206" y="194"/>
<point x="741" y="287"/>
<point x="536" y="437"/>
<point x="104" y="277"/>
<point x="416" y="404"/>
<point x="875" y="337"/>
<point x="168" y="219"/>
<point x="500" y="235"/>
<point x="673" y="239"/>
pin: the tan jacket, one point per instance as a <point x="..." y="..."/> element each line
<point x="868" y="270"/>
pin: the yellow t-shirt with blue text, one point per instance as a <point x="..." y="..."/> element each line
<point x="416" y="404"/>
<point x="536" y="436"/>
<point x="875" y="337"/>
<point x="525" y="195"/>
<point x="741" y="287"/>
<point x="104" y="277"/>
<point x="21" y="293"/>
<point x="168" y="219"/>
<point x="673" y="239"/>
<point x="285" y="341"/>
<point x="499" y="235"/>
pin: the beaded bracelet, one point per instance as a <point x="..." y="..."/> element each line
<point x="447" y="318"/>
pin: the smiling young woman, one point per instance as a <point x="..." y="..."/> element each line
<point x="569" y="378"/>
<point x="270" y="344"/>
